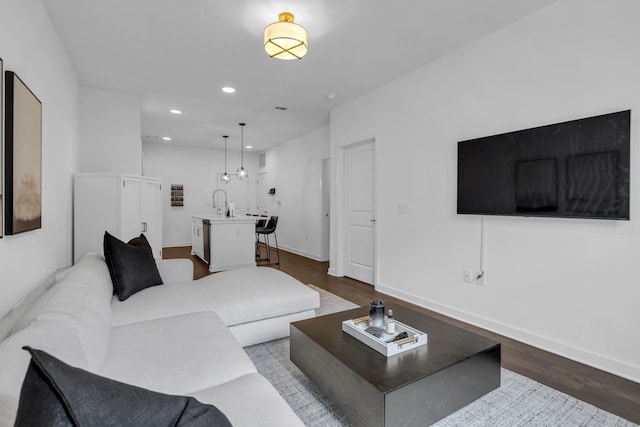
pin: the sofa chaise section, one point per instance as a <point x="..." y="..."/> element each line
<point x="257" y="304"/>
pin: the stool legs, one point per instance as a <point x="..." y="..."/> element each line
<point x="257" y="246"/>
<point x="275" y="236"/>
<point x="267" y="245"/>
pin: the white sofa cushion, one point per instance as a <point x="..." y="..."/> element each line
<point x="8" y="322"/>
<point x="260" y="331"/>
<point x="83" y="296"/>
<point x="255" y="293"/>
<point x="175" y="270"/>
<point x="57" y="337"/>
<point x="160" y="301"/>
<point x="259" y="405"/>
<point x="176" y="355"/>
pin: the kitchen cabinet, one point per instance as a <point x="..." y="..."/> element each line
<point x="125" y="205"/>
<point x="197" y="238"/>
<point x="228" y="243"/>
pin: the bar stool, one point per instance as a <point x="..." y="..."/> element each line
<point x="260" y="223"/>
<point x="269" y="228"/>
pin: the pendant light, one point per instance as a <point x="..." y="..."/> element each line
<point x="242" y="173"/>
<point x="225" y="178"/>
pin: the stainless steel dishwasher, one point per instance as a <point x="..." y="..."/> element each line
<point x="206" y="240"/>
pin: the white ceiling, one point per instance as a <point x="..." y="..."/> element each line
<point x="180" y="53"/>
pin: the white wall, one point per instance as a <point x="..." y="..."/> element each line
<point x="30" y="47"/>
<point x="110" y="132"/>
<point x="294" y="168"/>
<point x="566" y="285"/>
<point x="196" y="169"/>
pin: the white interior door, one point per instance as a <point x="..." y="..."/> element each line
<point x="130" y="212"/>
<point x="151" y="214"/>
<point x="261" y="193"/>
<point x="326" y="208"/>
<point x="360" y="215"/>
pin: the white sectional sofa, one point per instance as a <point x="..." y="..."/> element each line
<point x="183" y="337"/>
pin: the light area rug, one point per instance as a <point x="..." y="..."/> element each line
<point x="519" y="401"/>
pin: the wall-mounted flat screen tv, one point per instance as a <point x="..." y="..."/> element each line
<point x="576" y="169"/>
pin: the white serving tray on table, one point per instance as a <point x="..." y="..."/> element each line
<point x="356" y="328"/>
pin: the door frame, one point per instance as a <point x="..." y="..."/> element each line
<point x="325" y="191"/>
<point x="340" y="210"/>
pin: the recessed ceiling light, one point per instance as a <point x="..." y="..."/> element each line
<point x="174" y="111"/>
<point x="248" y="147"/>
<point x="228" y="89"/>
<point x="166" y="138"/>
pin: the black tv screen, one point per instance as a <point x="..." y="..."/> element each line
<point x="577" y="169"/>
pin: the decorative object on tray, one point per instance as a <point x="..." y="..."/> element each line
<point x="376" y="313"/>
<point x="403" y="338"/>
<point x="390" y="323"/>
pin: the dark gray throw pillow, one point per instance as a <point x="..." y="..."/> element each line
<point x="131" y="265"/>
<point x="142" y="243"/>
<point x="56" y="394"/>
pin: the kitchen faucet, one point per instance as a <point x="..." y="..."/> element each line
<point x="213" y="196"/>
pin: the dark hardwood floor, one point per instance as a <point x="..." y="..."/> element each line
<point x="609" y="392"/>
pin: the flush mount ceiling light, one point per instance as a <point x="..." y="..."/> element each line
<point x="166" y="138"/>
<point x="241" y="172"/>
<point x="225" y="177"/>
<point x="228" y="89"/>
<point x="175" y="111"/>
<point x="285" y="39"/>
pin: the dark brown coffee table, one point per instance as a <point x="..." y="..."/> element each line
<point x="414" y="388"/>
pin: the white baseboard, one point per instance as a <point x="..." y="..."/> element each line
<point x="175" y="245"/>
<point x="613" y="366"/>
<point x="302" y="253"/>
<point x="333" y="272"/>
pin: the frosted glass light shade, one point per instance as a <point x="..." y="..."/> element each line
<point x="285" y="39"/>
<point x="242" y="173"/>
<point x="225" y="178"/>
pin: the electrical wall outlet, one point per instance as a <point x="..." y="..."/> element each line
<point x="467" y="275"/>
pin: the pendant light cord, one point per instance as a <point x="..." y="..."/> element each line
<point x="225" y="153"/>
<point x="242" y="145"/>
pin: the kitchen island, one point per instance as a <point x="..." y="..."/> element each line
<point x="224" y="242"/>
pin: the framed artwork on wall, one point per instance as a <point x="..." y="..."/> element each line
<point x="23" y="157"/>
<point x="1" y="163"/>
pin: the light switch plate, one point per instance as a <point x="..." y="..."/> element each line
<point x="403" y="208"/>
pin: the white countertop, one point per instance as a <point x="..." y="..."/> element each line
<point x="221" y="218"/>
